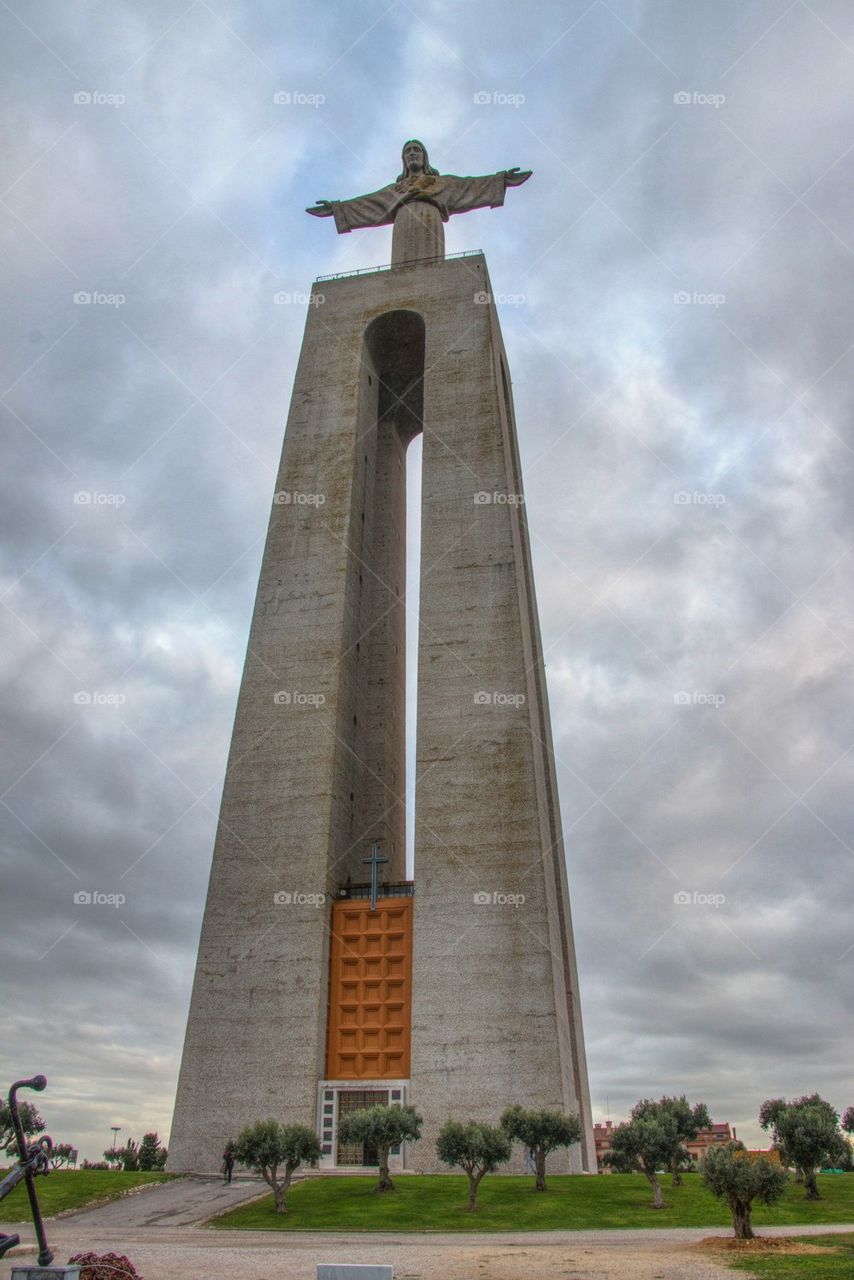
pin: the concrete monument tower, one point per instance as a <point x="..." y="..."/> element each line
<point x="326" y="980"/>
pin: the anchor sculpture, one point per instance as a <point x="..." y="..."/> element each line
<point x="33" y="1159"/>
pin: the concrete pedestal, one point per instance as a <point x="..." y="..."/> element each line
<point x="29" y="1271"/>
<point x="353" y="1271"/>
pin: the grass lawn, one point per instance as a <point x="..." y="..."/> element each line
<point x="438" y="1203"/>
<point x="72" y="1188"/>
<point x="837" y="1262"/>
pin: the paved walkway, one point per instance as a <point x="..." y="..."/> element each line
<point x="185" y="1202"/>
<point x="154" y="1227"/>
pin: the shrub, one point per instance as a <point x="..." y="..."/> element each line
<point x="105" y="1266"/>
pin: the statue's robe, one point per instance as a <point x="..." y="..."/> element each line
<point x="446" y="192"/>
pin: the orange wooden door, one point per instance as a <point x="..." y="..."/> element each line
<point x="370" y="990"/>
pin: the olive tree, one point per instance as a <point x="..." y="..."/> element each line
<point x="806" y="1132"/>
<point x="645" y="1144"/>
<point x="541" y="1132"/>
<point x="688" y="1122"/>
<point x="475" y="1148"/>
<point x="730" y="1173"/>
<point x="266" y="1145"/>
<point x="381" y="1127"/>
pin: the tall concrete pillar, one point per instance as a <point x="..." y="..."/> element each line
<point x="316" y="769"/>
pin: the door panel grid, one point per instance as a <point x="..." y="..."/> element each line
<point x="370" y="989"/>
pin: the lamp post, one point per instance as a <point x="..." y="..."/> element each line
<point x="115" y="1129"/>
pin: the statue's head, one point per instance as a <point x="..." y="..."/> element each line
<point x="415" y="160"/>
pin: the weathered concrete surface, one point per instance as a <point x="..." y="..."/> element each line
<point x="496" y="1015"/>
<point x="318" y="771"/>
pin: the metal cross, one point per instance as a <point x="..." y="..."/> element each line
<point x="374" y="862"/>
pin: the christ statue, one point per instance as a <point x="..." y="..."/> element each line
<point x="418" y="203"/>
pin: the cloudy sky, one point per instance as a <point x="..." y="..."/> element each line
<point x="679" y="275"/>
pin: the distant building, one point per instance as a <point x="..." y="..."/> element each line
<point x="697" y="1148"/>
<point x="770" y="1153"/>
<point x="602" y="1141"/>
<point x="711" y="1137"/>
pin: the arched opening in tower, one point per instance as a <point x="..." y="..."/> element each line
<point x="413" y="599"/>
<point x="375" y="720"/>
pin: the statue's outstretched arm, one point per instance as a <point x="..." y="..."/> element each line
<point x="513" y="177"/>
<point x="372" y="210"/>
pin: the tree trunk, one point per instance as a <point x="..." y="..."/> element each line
<point x="741" y="1220"/>
<point x="474" y="1183"/>
<point x="385" y="1183"/>
<point x="540" y="1157"/>
<point x="812" y="1192"/>
<point x="280" y="1189"/>
<point x="675" y="1175"/>
<point x="799" y="1173"/>
<point x="658" y="1198"/>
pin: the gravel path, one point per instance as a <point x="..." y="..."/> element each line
<point x="192" y="1254"/>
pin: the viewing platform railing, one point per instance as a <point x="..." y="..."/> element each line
<point x="400" y="266"/>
